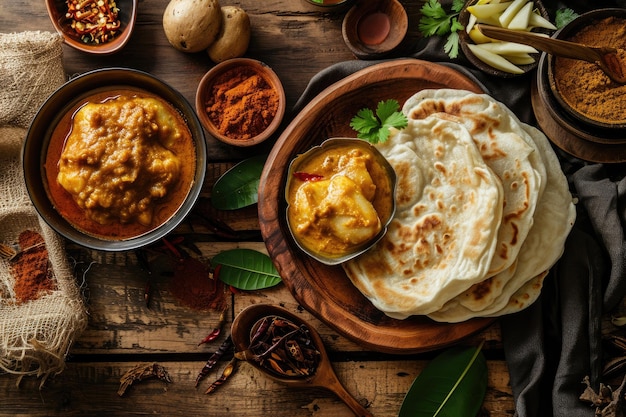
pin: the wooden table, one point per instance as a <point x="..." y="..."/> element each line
<point x="297" y="40"/>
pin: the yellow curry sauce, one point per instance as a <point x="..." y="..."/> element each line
<point x="120" y="163"/>
<point x="339" y="200"/>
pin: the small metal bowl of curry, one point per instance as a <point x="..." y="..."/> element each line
<point x="114" y="159"/>
<point x="340" y="199"/>
<point x="585" y="94"/>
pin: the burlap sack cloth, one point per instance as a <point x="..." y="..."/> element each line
<point x="35" y="335"/>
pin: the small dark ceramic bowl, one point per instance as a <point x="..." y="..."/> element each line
<point x="590" y="18"/>
<point x="465" y="40"/>
<point x="38" y="138"/>
<point x="127" y="15"/>
<point x="373" y="29"/>
<point x="204" y="90"/>
<point x="296" y="166"/>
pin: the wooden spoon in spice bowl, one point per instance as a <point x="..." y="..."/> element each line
<point x="605" y="57"/>
<point x="298" y="359"/>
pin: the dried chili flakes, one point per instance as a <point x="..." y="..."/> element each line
<point x="93" y="21"/>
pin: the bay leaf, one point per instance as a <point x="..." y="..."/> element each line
<point x="246" y="269"/>
<point x="239" y="186"/>
<point x="453" y="384"/>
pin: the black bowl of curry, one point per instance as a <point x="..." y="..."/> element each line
<point x="114" y="159"/>
<point x="340" y="199"/>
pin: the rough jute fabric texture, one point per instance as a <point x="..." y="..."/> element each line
<point x="35" y="335"/>
<point x="31" y="68"/>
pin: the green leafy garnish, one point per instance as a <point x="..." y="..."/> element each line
<point x="239" y="186"/>
<point x="453" y="384"/>
<point x="246" y="269"/>
<point x="564" y="16"/>
<point x="375" y="127"/>
<point x="437" y="21"/>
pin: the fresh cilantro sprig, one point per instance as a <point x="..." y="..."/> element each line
<point x="435" y="20"/>
<point x="375" y="127"/>
<point x="564" y="16"/>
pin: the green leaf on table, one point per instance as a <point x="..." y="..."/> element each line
<point x="452" y="385"/>
<point x="246" y="269"/>
<point x="239" y="186"/>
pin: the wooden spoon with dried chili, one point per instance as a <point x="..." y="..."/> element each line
<point x="287" y="349"/>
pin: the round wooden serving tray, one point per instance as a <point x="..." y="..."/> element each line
<point x="323" y="290"/>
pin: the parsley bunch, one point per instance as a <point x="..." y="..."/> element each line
<point x="564" y="16"/>
<point x="436" y="20"/>
<point x="375" y="127"/>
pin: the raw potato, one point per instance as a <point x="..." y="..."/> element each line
<point x="234" y="36"/>
<point x="192" y="25"/>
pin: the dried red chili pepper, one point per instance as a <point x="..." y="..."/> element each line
<point x="211" y="336"/>
<point x="216" y="331"/>
<point x="215" y="357"/>
<point x="171" y="247"/>
<point x="284" y="348"/>
<point x="226" y="373"/>
<point x="305" y="176"/>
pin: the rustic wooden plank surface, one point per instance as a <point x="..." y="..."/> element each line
<point x="297" y="40"/>
<point x="90" y="389"/>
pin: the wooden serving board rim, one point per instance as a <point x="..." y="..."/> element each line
<point x="321" y="289"/>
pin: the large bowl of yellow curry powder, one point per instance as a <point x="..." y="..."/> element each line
<point x="114" y="159"/>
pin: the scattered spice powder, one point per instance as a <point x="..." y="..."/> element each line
<point x="583" y="85"/>
<point x="33" y="277"/>
<point x="194" y="285"/>
<point x="241" y="103"/>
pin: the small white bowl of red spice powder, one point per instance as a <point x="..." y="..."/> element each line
<point x="240" y="102"/>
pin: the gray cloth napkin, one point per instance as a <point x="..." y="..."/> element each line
<point x="549" y="358"/>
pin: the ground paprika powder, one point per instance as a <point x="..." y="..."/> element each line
<point x="33" y="277"/>
<point x="241" y="103"/>
<point x="195" y="287"/>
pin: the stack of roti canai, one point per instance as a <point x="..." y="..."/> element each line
<point x="483" y="211"/>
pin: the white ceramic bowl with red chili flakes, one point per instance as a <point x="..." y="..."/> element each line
<point x="99" y="29"/>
